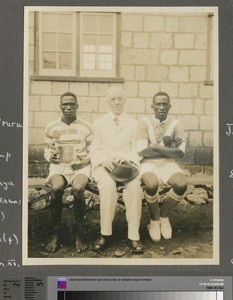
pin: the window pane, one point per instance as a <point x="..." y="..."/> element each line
<point x="105" y="44"/>
<point x="49" y="60"/>
<point x="89" y="61"/>
<point x="49" y="41"/>
<point x="89" y="24"/>
<point x="105" y="49"/>
<point x="65" y="61"/>
<point x="65" y="41"/>
<point x="49" y="22"/>
<point x="105" y="66"/>
<point x="65" y="22"/>
<point x="105" y="61"/>
<point x="105" y="24"/>
<point x="98" y="43"/>
<point x="89" y="43"/>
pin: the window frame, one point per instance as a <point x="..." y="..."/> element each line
<point x="77" y="74"/>
<point x="56" y="72"/>
<point x="98" y="73"/>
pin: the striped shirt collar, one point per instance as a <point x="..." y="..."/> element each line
<point x="158" y="122"/>
<point x="75" y="120"/>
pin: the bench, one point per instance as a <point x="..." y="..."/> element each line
<point x="196" y="181"/>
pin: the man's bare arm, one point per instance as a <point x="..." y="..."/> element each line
<point x="170" y="152"/>
<point x="149" y="152"/>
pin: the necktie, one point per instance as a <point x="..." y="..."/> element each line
<point x="116" y="121"/>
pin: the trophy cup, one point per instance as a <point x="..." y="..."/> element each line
<point x="67" y="155"/>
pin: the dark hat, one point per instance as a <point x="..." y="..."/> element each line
<point x="123" y="172"/>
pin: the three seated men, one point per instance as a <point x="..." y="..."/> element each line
<point x="70" y="145"/>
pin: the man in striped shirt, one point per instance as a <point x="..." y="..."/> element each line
<point x="161" y="139"/>
<point x="67" y="142"/>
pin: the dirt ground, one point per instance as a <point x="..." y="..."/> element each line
<point x="192" y="234"/>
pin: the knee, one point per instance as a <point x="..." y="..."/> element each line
<point x="106" y="183"/>
<point x="179" y="184"/>
<point x="134" y="185"/>
<point x="78" y="188"/>
<point x="57" y="184"/>
<point x="57" y="188"/>
<point x="151" y="183"/>
<point x="79" y="183"/>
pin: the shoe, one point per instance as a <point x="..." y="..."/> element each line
<point x="101" y="243"/>
<point x="155" y="231"/>
<point x="166" y="229"/>
<point x="136" y="247"/>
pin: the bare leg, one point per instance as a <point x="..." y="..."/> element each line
<point x="151" y="183"/>
<point x="78" y="187"/>
<point x="58" y="182"/>
<point x="179" y="186"/>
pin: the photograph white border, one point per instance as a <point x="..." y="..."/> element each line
<point x="121" y="261"/>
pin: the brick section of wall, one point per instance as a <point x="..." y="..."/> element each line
<point x="178" y="74"/>
<point x="201" y="159"/>
<point x="157" y="52"/>
<point x="184" y="40"/>
<point x="193" y="24"/>
<point x="131" y="22"/>
<point x="172" y="24"/>
<point x="41" y="88"/>
<point x="169" y="57"/>
<point x="154" y="24"/>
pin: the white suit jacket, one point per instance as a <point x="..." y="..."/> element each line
<point x="110" y="140"/>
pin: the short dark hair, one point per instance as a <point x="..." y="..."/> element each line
<point x="69" y="94"/>
<point x="161" y="94"/>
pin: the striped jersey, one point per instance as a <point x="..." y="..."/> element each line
<point x="151" y="130"/>
<point x="71" y="142"/>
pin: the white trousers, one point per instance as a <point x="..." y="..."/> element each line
<point x="132" y="196"/>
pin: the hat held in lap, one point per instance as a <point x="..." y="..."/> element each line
<point x="123" y="172"/>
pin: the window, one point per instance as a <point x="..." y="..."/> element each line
<point x="77" y="44"/>
<point x="57" y="43"/>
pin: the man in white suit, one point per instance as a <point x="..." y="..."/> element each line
<point x="114" y="140"/>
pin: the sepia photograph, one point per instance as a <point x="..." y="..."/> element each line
<point x="121" y="154"/>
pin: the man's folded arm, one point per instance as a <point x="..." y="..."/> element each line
<point x="169" y="152"/>
<point x="147" y="151"/>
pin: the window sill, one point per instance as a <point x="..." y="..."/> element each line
<point x="77" y="79"/>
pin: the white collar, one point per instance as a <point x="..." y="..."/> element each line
<point x="119" y="117"/>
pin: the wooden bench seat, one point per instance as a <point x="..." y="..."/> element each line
<point x="197" y="181"/>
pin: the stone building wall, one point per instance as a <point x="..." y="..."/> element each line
<point x="157" y="52"/>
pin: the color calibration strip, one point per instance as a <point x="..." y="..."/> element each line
<point x="129" y="295"/>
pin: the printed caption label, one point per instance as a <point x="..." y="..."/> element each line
<point x="12" y="289"/>
<point x="34" y="288"/>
